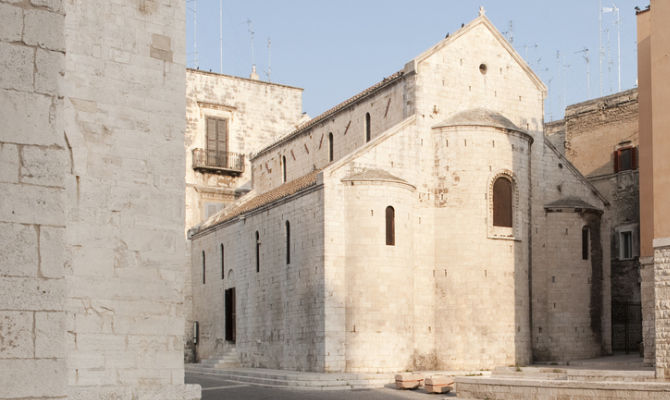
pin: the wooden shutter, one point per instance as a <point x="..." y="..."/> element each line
<point x="616" y="161"/>
<point x="502" y="202"/>
<point x="634" y="155"/>
<point x="222" y="135"/>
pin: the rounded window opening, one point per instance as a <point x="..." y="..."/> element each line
<point x="483" y="69"/>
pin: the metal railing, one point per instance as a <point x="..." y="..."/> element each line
<point x="221" y="161"/>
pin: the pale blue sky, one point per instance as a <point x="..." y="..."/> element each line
<point x="334" y="49"/>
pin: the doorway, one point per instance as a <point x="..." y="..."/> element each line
<point x="230" y="314"/>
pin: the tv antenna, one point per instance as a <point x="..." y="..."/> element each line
<point x="220" y="36"/>
<point x="269" y="71"/>
<point x="606" y="10"/>
<point x="585" y="55"/>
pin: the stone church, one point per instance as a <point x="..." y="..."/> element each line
<point x="424" y="223"/>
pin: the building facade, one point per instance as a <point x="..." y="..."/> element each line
<point x="653" y="35"/>
<point x="425" y="223"/>
<point x="600" y="138"/>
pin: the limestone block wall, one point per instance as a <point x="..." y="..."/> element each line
<point x="450" y="80"/>
<point x="308" y="149"/>
<point x="378" y="277"/>
<point x="280" y="309"/>
<point x="33" y="168"/>
<point x="662" y="315"/>
<point x="481" y="271"/>
<point x="125" y="264"/>
<point x="565" y="332"/>
<point x="258" y="113"/>
<point x="555" y="178"/>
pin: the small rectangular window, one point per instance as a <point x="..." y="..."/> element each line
<point x="626" y="245"/>
<point x="585" y="243"/>
<point x="625" y="159"/>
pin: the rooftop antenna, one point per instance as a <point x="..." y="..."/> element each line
<point x="585" y="55"/>
<point x="221" y="36"/>
<point x="250" y="28"/>
<point x="600" y="43"/>
<point x="509" y="33"/>
<point x="615" y="9"/>
<point x="269" y="71"/>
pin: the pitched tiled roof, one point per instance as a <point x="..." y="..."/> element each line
<point x="302" y="128"/>
<point x="260" y="200"/>
<point x="571" y="202"/>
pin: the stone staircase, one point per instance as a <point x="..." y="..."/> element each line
<point x="229" y="359"/>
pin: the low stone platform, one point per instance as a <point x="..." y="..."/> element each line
<point x="311" y="380"/>
<point x="604" y="378"/>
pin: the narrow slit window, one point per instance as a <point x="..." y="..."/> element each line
<point x="330" y="146"/>
<point x="203" y="267"/>
<point x="502" y="202"/>
<point x="283" y="169"/>
<point x="258" y="252"/>
<point x="367" y="127"/>
<point x="223" y="265"/>
<point x="390" y="226"/>
<point x="585" y="243"/>
<point x="288" y="242"/>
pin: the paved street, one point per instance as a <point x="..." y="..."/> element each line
<point x="215" y="388"/>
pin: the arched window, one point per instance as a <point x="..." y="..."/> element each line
<point x="283" y="168"/>
<point x="585" y="243"/>
<point x="367" y="127"/>
<point x="330" y="146"/>
<point x="223" y="266"/>
<point x="502" y="202"/>
<point x="288" y="242"/>
<point x="390" y="226"/>
<point x="258" y="252"/>
<point x="203" y="267"/>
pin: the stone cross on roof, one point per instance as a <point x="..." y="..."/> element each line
<point x="481" y="11"/>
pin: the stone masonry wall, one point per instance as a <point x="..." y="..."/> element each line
<point x="33" y="166"/>
<point x="257" y="112"/>
<point x="280" y="314"/>
<point x="125" y="264"/>
<point x="662" y="317"/>
<point x="309" y="150"/>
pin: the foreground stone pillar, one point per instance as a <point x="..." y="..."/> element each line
<point x="648" y="308"/>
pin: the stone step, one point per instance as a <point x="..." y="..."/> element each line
<point x="574" y="374"/>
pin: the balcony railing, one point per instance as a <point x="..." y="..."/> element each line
<point x="218" y="161"/>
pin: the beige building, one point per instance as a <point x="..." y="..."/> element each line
<point x="425" y="223"/>
<point x="653" y="37"/>
<point x="92" y="200"/>
<point x="600" y="138"/>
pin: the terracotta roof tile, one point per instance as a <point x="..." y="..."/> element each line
<point x="260" y="200"/>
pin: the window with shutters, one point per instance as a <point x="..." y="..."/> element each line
<point x="390" y="226"/>
<point x="217" y="140"/>
<point x="502" y="202"/>
<point x="625" y="159"/>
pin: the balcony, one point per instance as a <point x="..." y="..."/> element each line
<point x="218" y="162"/>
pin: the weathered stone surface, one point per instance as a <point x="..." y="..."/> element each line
<point x="12" y="23"/>
<point x="16" y="62"/>
<point x="44" y="29"/>
<point x="49" y="71"/>
<point x="52" y="246"/>
<point x="28" y="118"/>
<point x="16" y="334"/>
<point x="19" y="256"/>
<point x="32" y="378"/>
<point x="52" y="5"/>
<point x="31" y="204"/>
<point x="9" y="161"/>
<point x="43" y="166"/>
<point x="50" y="335"/>
<point x="31" y="294"/>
